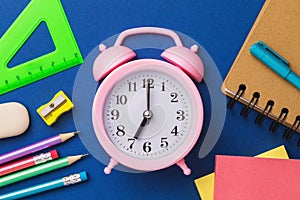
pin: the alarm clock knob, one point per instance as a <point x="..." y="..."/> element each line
<point x="194" y="48"/>
<point x="102" y="47"/>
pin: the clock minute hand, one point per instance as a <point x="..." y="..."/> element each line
<point x="139" y="130"/>
<point x="148" y="111"/>
<point x="148" y="96"/>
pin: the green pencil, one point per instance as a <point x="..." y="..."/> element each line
<point x="39" y="169"/>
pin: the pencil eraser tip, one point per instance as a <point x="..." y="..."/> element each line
<point x="54" y="154"/>
<point x="83" y="176"/>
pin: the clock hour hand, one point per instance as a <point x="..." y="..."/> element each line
<point x="139" y="130"/>
<point x="146" y="117"/>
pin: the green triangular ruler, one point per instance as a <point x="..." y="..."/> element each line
<point x="66" y="54"/>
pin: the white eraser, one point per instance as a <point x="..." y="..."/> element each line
<point x="14" y="119"/>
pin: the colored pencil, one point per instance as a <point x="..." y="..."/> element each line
<point x="60" y="138"/>
<point x="28" y="162"/>
<point x="38" y="170"/>
<point x="62" y="182"/>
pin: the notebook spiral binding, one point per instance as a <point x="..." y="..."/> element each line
<point x="289" y="131"/>
<point x="247" y="109"/>
<point x="238" y="94"/>
<point x="262" y="116"/>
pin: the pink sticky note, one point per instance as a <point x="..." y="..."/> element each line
<point x="256" y="178"/>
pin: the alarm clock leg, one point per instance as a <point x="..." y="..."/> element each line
<point x="186" y="170"/>
<point x="110" y="166"/>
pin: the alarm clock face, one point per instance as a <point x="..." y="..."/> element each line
<point x="148" y="111"/>
<point x="169" y="115"/>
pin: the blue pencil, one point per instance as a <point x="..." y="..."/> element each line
<point x="62" y="182"/>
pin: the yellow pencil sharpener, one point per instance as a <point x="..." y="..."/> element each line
<point x="58" y="105"/>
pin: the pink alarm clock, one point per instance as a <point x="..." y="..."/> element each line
<point x="147" y="113"/>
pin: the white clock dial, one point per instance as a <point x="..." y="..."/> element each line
<point x="171" y="110"/>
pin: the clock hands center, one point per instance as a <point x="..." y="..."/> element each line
<point x="146" y="116"/>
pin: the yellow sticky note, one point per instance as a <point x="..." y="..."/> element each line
<point x="205" y="184"/>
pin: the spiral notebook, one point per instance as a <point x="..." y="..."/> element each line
<point x="252" y="83"/>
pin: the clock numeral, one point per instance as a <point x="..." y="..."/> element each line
<point x="120" y="130"/>
<point x="147" y="147"/>
<point x="132" y="140"/>
<point x="121" y="99"/>
<point x="163" y="86"/>
<point x="150" y="81"/>
<point x="174" y="131"/>
<point x="132" y="87"/>
<point x="115" y="114"/>
<point x="174" y="97"/>
<point x="163" y="142"/>
<point x="180" y="116"/>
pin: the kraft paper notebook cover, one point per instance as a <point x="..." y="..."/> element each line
<point x="277" y="25"/>
<point x="205" y="184"/>
<point x="251" y="178"/>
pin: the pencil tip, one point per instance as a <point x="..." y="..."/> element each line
<point x="76" y="132"/>
<point x="66" y="136"/>
<point x="84" y="155"/>
<point x="72" y="159"/>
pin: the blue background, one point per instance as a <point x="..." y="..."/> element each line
<point x="219" y="26"/>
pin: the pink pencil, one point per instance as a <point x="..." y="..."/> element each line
<point x="28" y="162"/>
